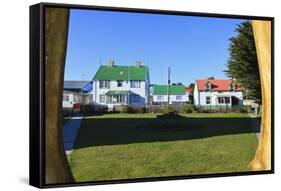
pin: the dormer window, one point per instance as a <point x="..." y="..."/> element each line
<point x="119" y="83"/>
<point x="232" y="86"/>
<point x="208" y="86"/>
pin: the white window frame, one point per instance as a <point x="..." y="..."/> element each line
<point x="160" y="97"/>
<point x="208" y="100"/>
<point x="104" y="84"/>
<point x="135" y="84"/>
<point x="223" y="100"/>
<point x="65" y="97"/>
<point x="178" y="97"/>
<point x="76" y="98"/>
<point x="102" y="98"/>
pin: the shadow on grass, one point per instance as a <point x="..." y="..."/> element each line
<point x="116" y="131"/>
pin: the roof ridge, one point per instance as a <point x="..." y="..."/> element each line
<point x="121" y="72"/>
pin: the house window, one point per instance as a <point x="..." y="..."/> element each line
<point x="102" y="98"/>
<point x="135" y="84"/>
<point x="135" y="98"/>
<point x="65" y="97"/>
<point x="227" y="100"/>
<point x="220" y="100"/>
<point x="160" y="97"/>
<point x="208" y="100"/>
<point x="104" y="84"/>
<point x="119" y="83"/>
<point x="75" y="98"/>
<point x="116" y="99"/>
<point x="178" y="97"/>
<point x="224" y="100"/>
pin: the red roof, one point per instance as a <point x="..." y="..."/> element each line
<point x="216" y="85"/>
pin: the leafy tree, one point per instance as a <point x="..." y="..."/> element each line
<point x="243" y="63"/>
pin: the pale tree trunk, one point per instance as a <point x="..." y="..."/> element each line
<point x="56" y="32"/>
<point x="262" y="35"/>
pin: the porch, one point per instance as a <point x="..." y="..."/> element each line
<point x="117" y="97"/>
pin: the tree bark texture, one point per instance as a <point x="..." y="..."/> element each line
<point x="56" y="33"/>
<point x="262" y="35"/>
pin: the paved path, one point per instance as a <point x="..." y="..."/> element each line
<point x="256" y="123"/>
<point x="70" y="132"/>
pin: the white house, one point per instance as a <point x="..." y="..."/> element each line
<point x="69" y="99"/>
<point x="178" y="94"/>
<point x="212" y="92"/>
<point x="72" y="93"/>
<point x="115" y="85"/>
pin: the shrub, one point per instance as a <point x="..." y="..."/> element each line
<point x="168" y="109"/>
<point x="121" y="108"/>
<point x="142" y="110"/>
<point x="130" y="109"/>
<point x="245" y="109"/>
<point x="155" y="109"/>
<point x="187" y="108"/>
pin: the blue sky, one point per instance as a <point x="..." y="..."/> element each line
<point x="193" y="47"/>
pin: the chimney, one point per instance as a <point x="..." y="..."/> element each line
<point x="110" y="63"/>
<point x="138" y="63"/>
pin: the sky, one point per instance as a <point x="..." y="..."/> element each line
<point x="193" y="47"/>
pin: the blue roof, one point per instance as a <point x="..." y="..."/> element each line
<point x="76" y="86"/>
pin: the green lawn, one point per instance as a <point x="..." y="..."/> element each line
<point x="121" y="146"/>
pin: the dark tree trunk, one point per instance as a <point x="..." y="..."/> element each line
<point x="56" y="32"/>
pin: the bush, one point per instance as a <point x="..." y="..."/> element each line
<point x="245" y="109"/>
<point x="154" y="109"/>
<point x="121" y="108"/>
<point x="168" y="109"/>
<point x="188" y="108"/>
<point x="129" y="109"/>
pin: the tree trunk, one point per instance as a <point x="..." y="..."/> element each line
<point x="262" y="35"/>
<point x="56" y="32"/>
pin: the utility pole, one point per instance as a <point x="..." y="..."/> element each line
<point x="169" y="81"/>
<point x="81" y="92"/>
<point x="129" y="84"/>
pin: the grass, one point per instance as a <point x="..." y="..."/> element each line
<point x="113" y="146"/>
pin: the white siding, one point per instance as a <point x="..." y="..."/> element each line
<point x="142" y="91"/>
<point x="172" y="98"/>
<point x="200" y="97"/>
<point x="71" y="101"/>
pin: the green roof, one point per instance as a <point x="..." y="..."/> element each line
<point x="121" y="73"/>
<point x="163" y="90"/>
